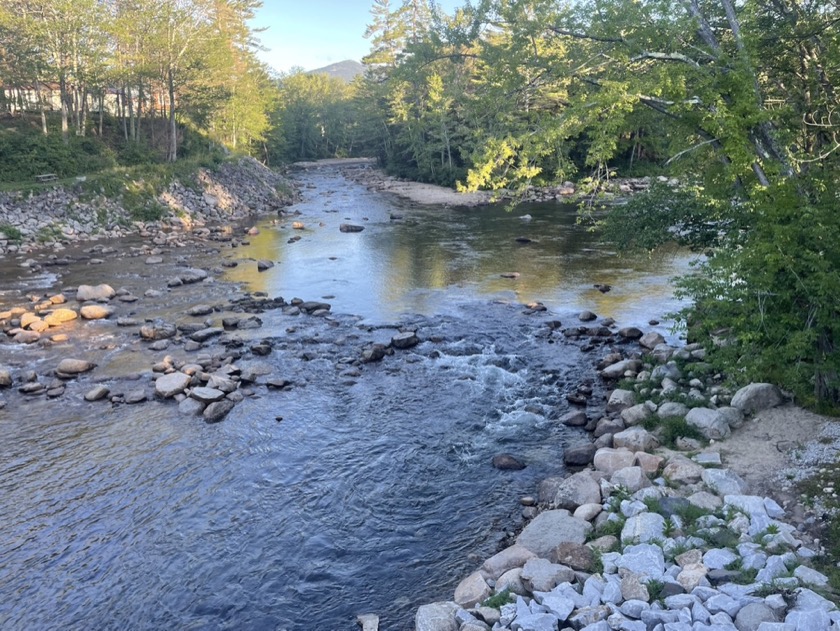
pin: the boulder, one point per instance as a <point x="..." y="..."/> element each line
<point x="620" y="400"/>
<point x="97" y="393"/>
<point x="157" y="330"/>
<point x="472" y="591"/>
<point x="71" y="367"/>
<point x="574" y="555"/>
<point x="576" y="490"/>
<point x="636" y="414"/>
<point x="643" y="528"/>
<point x="671" y="409"/>
<point x="630" y="333"/>
<point x="631" y="478"/>
<point x="215" y="412"/>
<point x="508" y="559"/>
<point x="507" y="462"/>
<point x="174" y="383"/>
<point x="405" y="340"/>
<point x="651" y="340"/>
<point x="349" y="227"/>
<point x="96" y="312"/>
<point x="579" y="456"/>
<point x="263" y="265"/>
<point x="60" y="316"/>
<point x="191" y="275"/>
<point x="206" y="395"/>
<point x="610" y="460"/>
<point x="756" y="397"/>
<point x="575" y="418"/>
<point x="635" y="439"/>
<point x="95" y="293"/>
<point x="551" y="528"/>
<point x="711" y="423"/>
<point x="541" y="575"/>
<point x="438" y="616"/>
<point x="618" y="369"/>
<point x="681" y="470"/>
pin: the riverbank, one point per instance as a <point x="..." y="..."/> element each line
<point x="56" y="216"/>
<point x="366" y="172"/>
<point x="700" y="522"/>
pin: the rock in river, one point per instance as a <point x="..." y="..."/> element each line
<point x="157" y="330"/>
<point x="97" y="293"/>
<point x="349" y="227"/>
<point x="96" y="312"/>
<point x="207" y="395"/>
<point x="71" y="367"/>
<point x="174" y="383"/>
<point x="215" y="412"/>
<point x="405" y="340"/>
<point x="507" y="462"/>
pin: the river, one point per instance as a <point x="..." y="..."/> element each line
<point x="358" y="490"/>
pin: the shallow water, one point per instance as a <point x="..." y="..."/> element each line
<point x="346" y="494"/>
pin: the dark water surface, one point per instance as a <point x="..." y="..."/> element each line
<point x="371" y="492"/>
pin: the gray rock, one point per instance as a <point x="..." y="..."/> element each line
<point x="667" y="371"/>
<point x="723" y="603"/>
<point x="574" y="555"/>
<point x="808" y="620"/>
<point x="158" y="330"/>
<point x="810" y="576"/>
<point x="643" y="559"/>
<point x="609" y="426"/>
<point x="135" y="396"/>
<point x="95" y="293"/>
<point x="733" y="416"/>
<point x="264" y="264"/>
<point x="5" y="378"/>
<point x="405" y="340"/>
<point x="580" y="455"/>
<point x="349" y="227"/>
<point x="651" y="340"/>
<point x="632" y="588"/>
<point x="575" y="418"/>
<point x="751" y="616"/>
<point x="97" y="393"/>
<point x="643" y="528"/>
<point x="472" y="590"/>
<point x="551" y="528"/>
<point x="541" y="575"/>
<point x="610" y="460"/>
<point x="558" y="604"/>
<point x="72" y="367"/>
<point x="191" y="275"/>
<point x="635" y="439"/>
<point x="203" y="335"/>
<point x="191" y="407"/>
<point x="507" y="462"/>
<point x="671" y="409"/>
<point x="508" y="559"/>
<point x="174" y="383"/>
<point x="724" y="482"/>
<point x="206" y="395"/>
<point x="511" y="581"/>
<point x="438" y="616"/>
<point x="368" y="621"/>
<point x="576" y="490"/>
<point x="711" y="423"/>
<point x="718" y="558"/>
<point x="200" y="310"/>
<point x="535" y="622"/>
<point x="756" y="397"/>
<point x="636" y="414"/>
<point x="215" y="412"/>
<point x="620" y="399"/>
<point x="631" y="478"/>
<point x="617" y="370"/>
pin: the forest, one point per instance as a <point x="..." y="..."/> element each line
<point x="736" y="98"/>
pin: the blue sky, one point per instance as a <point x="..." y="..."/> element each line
<point x="316" y="33"/>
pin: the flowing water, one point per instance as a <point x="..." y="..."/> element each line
<point x="350" y="493"/>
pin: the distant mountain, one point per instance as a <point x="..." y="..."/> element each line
<point x="346" y="70"/>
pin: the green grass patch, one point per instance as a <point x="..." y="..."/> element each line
<point x="497" y="600"/>
<point x="12" y="233"/>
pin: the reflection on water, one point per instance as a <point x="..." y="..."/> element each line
<point x="432" y="257"/>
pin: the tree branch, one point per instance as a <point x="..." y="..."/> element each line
<point x="611" y="40"/>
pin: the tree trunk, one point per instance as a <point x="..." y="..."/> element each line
<point x="101" y="111"/>
<point x="172" y="153"/>
<point x="42" y="109"/>
<point x="62" y="88"/>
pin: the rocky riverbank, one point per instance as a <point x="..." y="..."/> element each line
<point x="58" y="216"/>
<point x="654" y="533"/>
<point x="366" y="172"/>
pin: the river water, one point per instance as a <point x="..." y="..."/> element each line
<point x="353" y="492"/>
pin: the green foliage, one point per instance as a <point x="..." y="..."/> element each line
<point x="655" y="588"/>
<point x="23" y="155"/>
<point x="497" y="600"/>
<point x="670" y="429"/>
<point x="10" y="232"/>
